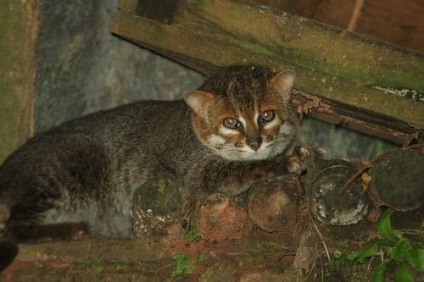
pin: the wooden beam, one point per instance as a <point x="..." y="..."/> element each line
<point x="162" y="11"/>
<point x="393" y="21"/>
<point x="18" y="29"/>
<point x="383" y="83"/>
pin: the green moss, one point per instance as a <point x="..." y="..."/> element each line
<point x="183" y="266"/>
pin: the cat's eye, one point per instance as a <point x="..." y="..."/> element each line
<point x="232" y="123"/>
<point x="266" y="117"/>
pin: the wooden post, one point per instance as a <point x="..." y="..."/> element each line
<point x="18" y="29"/>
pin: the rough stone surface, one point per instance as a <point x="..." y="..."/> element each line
<point x="82" y="68"/>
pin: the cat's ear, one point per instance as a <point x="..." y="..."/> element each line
<point x="284" y="82"/>
<point x="197" y="101"/>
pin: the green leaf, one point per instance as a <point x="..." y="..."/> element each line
<point x="194" y="235"/>
<point x="352" y="256"/>
<point x="337" y="253"/>
<point x="122" y="266"/>
<point x="384" y="226"/>
<point x="403" y="274"/>
<point x="400" y="251"/>
<point x="367" y="252"/>
<point x="380" y="272"/>
<point x="99" y="267"/>
<point x="416" y="258"/>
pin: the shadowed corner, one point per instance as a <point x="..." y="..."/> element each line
<point x="8" y="252"/>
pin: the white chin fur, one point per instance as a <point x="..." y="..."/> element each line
<point x="266" y="151"/>
<point x="247" y="154"/>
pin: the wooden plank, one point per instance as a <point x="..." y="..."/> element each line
<point x="129" y="5"/>
<point x="332" y="65"/>
<point x="388" y="20"/>
<point x="162" y="11"/>
<point x="18" y="29"/>
<point x="395" y="21"/>
<point x="333" y="12"/>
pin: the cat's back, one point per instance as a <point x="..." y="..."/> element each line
<point x="140" y="116"/>
<point x="94" y="163"/>
<point x="118" y="129"/>
<point x="111" y="139"/>
<point x="107" y="130"/>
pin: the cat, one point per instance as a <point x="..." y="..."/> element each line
<point x="230" y="132"/>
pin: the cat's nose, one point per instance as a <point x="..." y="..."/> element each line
<point x="254" y="143"/>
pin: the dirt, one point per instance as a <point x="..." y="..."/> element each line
<point x="138" y="260"/>
<point x="298" y="255"/>
<point x="261" y="256"/>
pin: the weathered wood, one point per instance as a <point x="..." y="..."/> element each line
<point x="333" y="12"/>
<point x="325" y="196"/>
<point x="162" y="11"/>
<point x="18" y="29"/>
<point x="389" y="20"/>
<point x="275" y="206"/>
<point x="397" y="179"/>
<point x="394" y="21"/>
<point x="119" y="249"/>
<point x="357" y="82"/>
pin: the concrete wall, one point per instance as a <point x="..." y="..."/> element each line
<point x="82" y="68"/>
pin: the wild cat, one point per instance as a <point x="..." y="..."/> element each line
<point x="224" y="136"/>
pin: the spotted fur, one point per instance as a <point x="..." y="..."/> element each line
<point x="243" y="93"/>
<point x="227" y="135"/>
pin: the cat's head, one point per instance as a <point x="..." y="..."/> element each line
<point x="244" y="112"/>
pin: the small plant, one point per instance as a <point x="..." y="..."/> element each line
<point x="183" y="264"/>
<point x="392" y="248"/>
<point x="122" y="266"/>
<point x="99" y="266"/>
<point x="193" y="235"/>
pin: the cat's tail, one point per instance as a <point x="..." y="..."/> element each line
<point x="8" y="249"/>
<point x="8" y="252"/>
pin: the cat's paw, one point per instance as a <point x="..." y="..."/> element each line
<point x="302" y="157"/>
<point x="4" y="215"/>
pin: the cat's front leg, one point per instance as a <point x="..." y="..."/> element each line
<point x="302" y="157"/>
<point x="233" y="178"/>
<point x="4" y="217"/>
